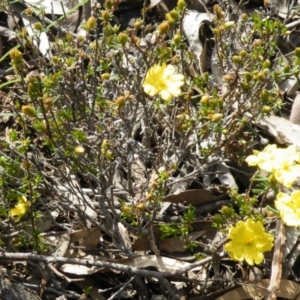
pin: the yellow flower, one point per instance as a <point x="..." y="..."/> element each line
<point x="248" y="241"/>
<point x="282" y="163"/>
<point x="292" y="154"/>
<point x="289" y="207"/>
<point x="286" y="170"/>
<point x="263" y="159"/>
<point x="20" y="209"/>
<point x="287" y="174"/>
<point x="163" y="80"/>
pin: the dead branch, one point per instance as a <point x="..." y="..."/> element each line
<point x="101" y="264"/>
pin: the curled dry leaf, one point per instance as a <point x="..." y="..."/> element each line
<point x="191" y="25"/>
<point x="40" y="39"/>
<point x="283" y="8"/>
<point x="178" y="245"/>
<point x="195" y="197"/>
<point x="57" y="7"/>
<point x="288" y="290"/>
<point x="295" y="112"/>
<point x="124" y="235"/>
<point x="87" y="237"/>
<point x="223" y="174"/>
<point x="291" y="251"/>
<point x="284" y="131"/>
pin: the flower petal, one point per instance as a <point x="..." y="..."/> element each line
<point x="252" y="160"/>
<point x="289" y="207"/>
<point x="164" y="81"/>
<point x="248" y="241"/>
<point x="166" y="95"/>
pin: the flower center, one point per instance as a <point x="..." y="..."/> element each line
<point x="161" y="85"/>
<point x="248" y="241"/>
<point x="286" y="166"/>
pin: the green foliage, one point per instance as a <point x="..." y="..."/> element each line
<point x="182" y="228"/>
<point x="87" y="290"/>
<point x="244" y="68"/>
<point x="84" y="113"/>
<point x="245" y="203"/>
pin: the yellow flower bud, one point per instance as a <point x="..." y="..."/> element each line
<point x="248" y="76"/>
<point x="236" y="59"/>
<point x="218" y="219"/>
<point x="266" y="109"/>
<point x="204" y="99"/>
<point x="79" y="150"/>
<point x="54" y="59"/>
<point x="245" y="86"/>
<point x="105" y="15"/>
<point x="243" y="53"/>
<point x="126" y="208"/>
<point x="286" y="68"/>
<point x="91" y="23"/>
<point x="123" y="38"/>
<point x="48" y="102"/>
<point x="138" y="23"/>
<point x="28" y="11"/>
<point x="38" y="26"/>
<point x="170" y="20"/>
<point x="164" y="27"/>
<point x="225" y="131"/>
<point x="181" y="4"/>
<point x="116" y="29"/>
<point x="120" y="101"/>
<point x="109" y="4"/>
<point x="244" y="121"/>
<point x="266" y="64"/>
<point x="149" y="197"/>
<point x="140" y="206"/>
<point x="227" y="211"/>
<point x="218" y="11"/>
<point x="297" y="52"/>
<point x="265" y="95"/>
<point x="244" y="17"/>
<point x="261" y="76"/>
<point x="227" y="77"/>
<point x="177" y="39"/>
<point x="174" y="14"/>
<point x="28" y="110"/>
<point x="105" y="76"/>
<point x="15" y="55"/>
<point x="217" y="117"/>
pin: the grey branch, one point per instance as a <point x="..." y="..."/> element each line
<point x="102" y="264"/>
